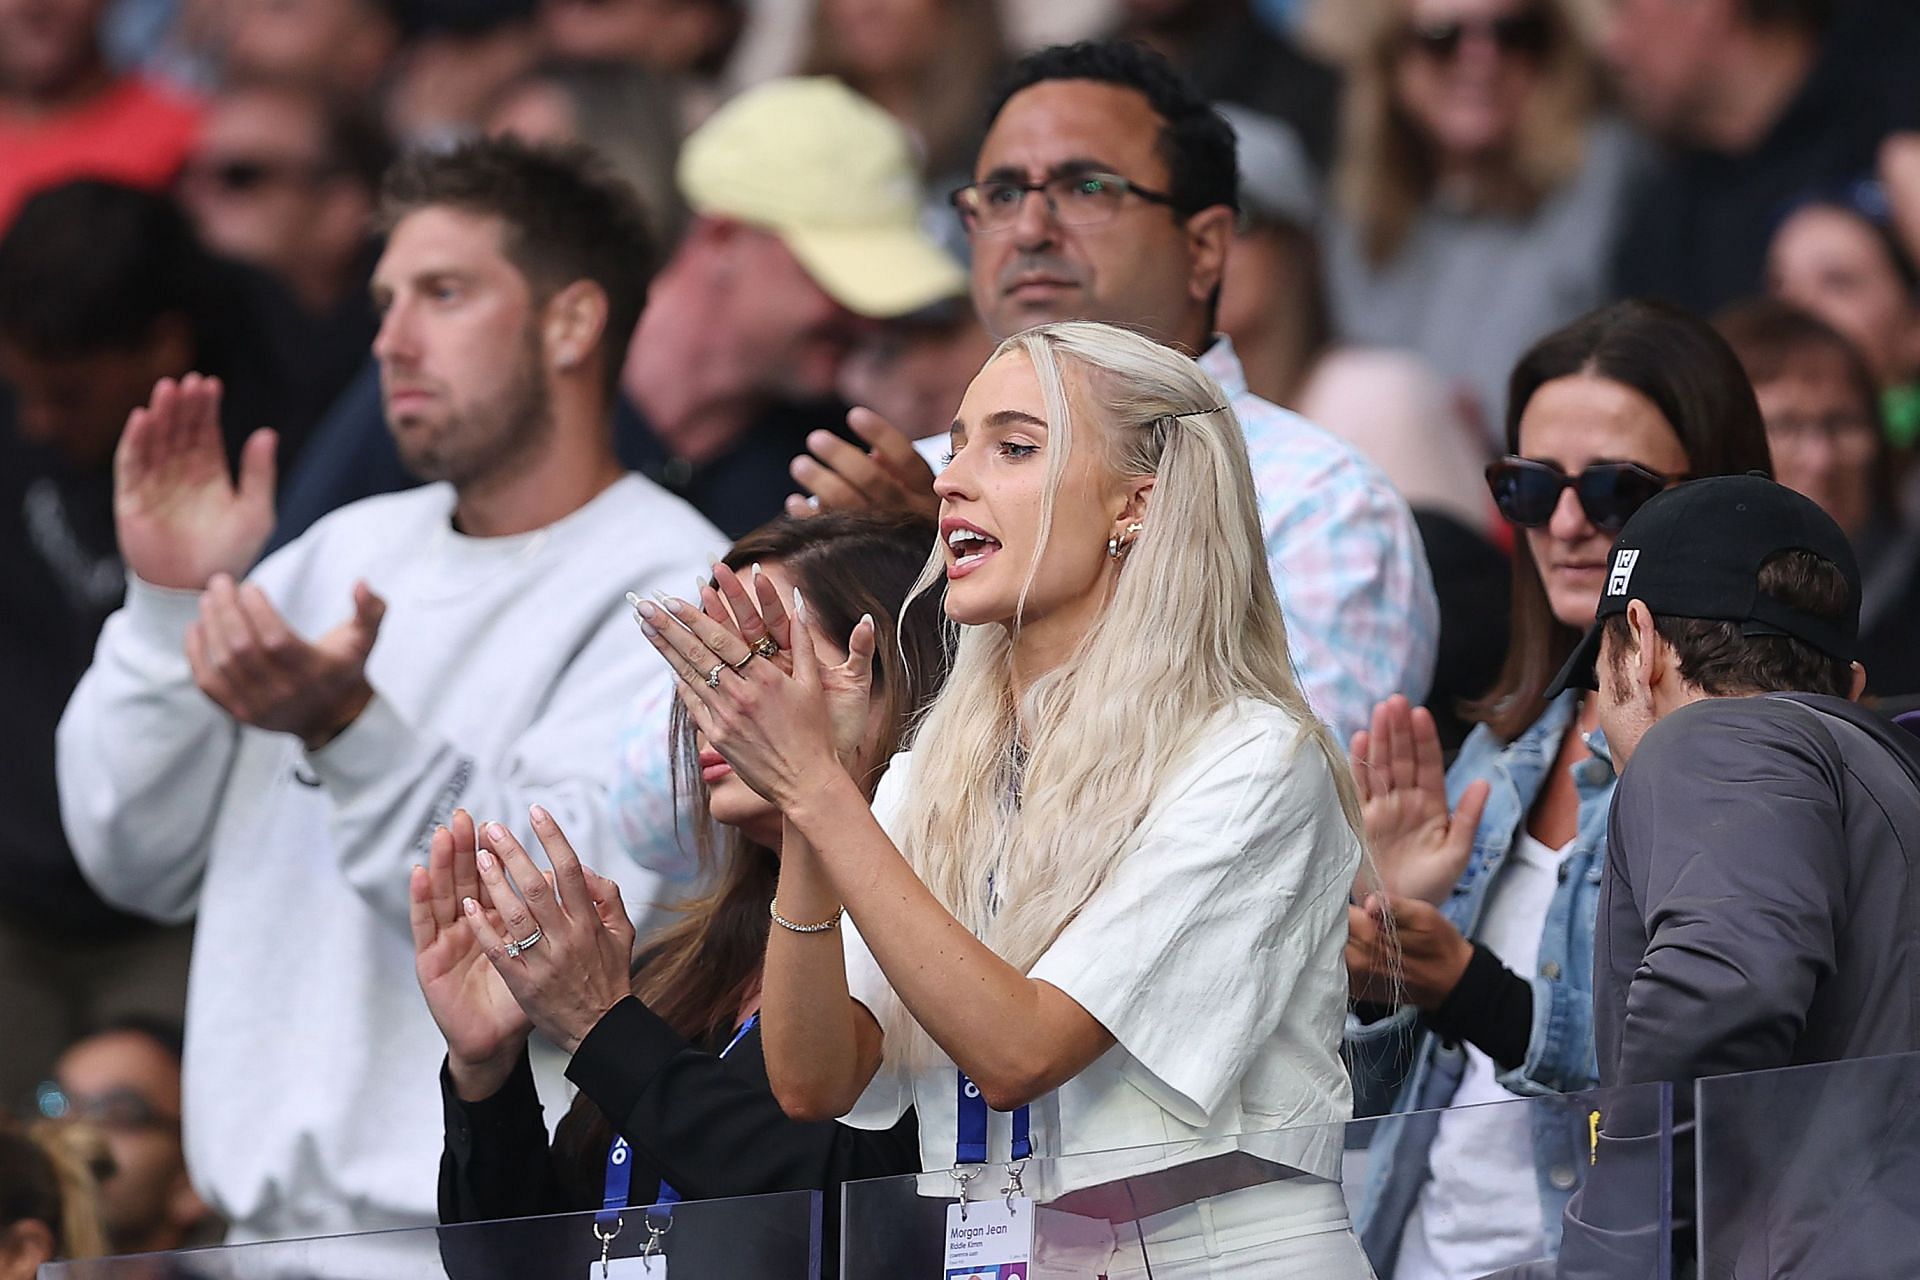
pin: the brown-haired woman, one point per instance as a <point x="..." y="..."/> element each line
<point x="1492" y="868"/>
<point x="647" y="1048"/>
<point x="1479" y="194"/>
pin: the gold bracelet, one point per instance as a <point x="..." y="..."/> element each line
<point x="773" y="911"/>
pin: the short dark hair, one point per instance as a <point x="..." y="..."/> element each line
<point x="164" y="1032"/>
<point x="566" y="219"/>
<point x="1691" y="375"/>
<point x="1196" y="141"/>
<point x="92" y="266"/>
<point x="1716" y="658"/>
<point x="1806" y="15"/>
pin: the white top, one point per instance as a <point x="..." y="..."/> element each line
<point x="1214" y="955"/>
<point x="312" y="1103"/>
<point x="1480" y="1209"/>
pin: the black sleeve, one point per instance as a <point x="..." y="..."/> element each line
<point x="1491" y="1008"/>
<point x="495" y="1163"/>
<point x="711" y="1125"/>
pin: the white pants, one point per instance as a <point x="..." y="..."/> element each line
<point x="1294" y="1228"/>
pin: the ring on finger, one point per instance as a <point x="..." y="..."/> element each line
<point x="766" y="646"/>
<point x="516" y="946"/>
<point x="742" y="664"/>
<point x="713" y="676"/>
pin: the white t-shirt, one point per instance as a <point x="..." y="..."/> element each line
<point x="1480" y="1209"/>
<point x="1214" y="954"/>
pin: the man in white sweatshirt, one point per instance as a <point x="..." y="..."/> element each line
<point x="271" y="750"/>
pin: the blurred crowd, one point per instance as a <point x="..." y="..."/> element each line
<point x="1425" y="189"/>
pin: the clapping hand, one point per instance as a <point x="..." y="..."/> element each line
<point x="777" y="728"/>
<point x="247" y="659"/>
<point x="563" y="945"/>
<point x="889" y="475"/>
<point x="1403" y="950"/>
<point x="484" y="1025"/>
<point x="1419" y="848"/>
<point x="179" y="517"/>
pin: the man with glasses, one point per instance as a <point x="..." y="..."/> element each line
<point x="1106" y="190"/>
<point x="124" y="1080"/>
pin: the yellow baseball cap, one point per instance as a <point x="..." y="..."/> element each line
<point x="833" y="176"/>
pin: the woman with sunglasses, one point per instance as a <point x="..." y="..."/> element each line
<point x="1475" y="175"/>
<point x="1474" y="966"/>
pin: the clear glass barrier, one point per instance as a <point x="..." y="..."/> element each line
<point x="1811" y="1171"/>
<point x="1287" y="1202"/>
<point x="771" y="1237"/>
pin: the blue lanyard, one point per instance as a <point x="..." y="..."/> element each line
<point x="971" y="1146"/>
<point x="620" y="1156"/>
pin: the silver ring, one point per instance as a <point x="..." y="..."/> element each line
<point x="713" y="676"/>
<point x="524" y="944"/>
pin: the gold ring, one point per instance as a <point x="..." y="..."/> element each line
<point x="766" y="646"/>
<point x="742" y="664"/>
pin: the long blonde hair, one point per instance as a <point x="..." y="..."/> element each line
<point x="1014" y="838"/>
<point x="1386" y="173"/>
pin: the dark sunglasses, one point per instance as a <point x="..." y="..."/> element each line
<point x="1527" y="491"/>
<point x="245" y="176"/>
<point x="1526" y="34"/>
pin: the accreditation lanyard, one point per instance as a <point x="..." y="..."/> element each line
<point x="971" y="1145"/>
<point x="620" y="1156"/>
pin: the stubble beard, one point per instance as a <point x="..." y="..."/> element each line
<point x="479" y="442"/>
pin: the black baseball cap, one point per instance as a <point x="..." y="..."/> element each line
<point x="1695" y="551"/>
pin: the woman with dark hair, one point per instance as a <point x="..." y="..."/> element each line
<point x="650" y="1070"/>
<point x="1483" y="935"/>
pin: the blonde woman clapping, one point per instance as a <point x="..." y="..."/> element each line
<point x="1106" y="890"/>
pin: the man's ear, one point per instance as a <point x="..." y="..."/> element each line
<point x="1857" y="682"/>
<point x="1646" y="665"/>
<point x="1209" y="237"/>
<point x="575" y="324"/>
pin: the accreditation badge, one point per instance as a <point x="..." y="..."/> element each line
<point x="989" y="1239"/>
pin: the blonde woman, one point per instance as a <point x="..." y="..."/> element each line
<point x="1478" y="191"/>
<point x="1109" y="882"/>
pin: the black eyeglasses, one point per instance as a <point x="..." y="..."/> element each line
<point x="1073" y="200"/>
<point x="1525" y="34"/>
<point x="1527" y="491"/>
<point x="119" y="1108"/>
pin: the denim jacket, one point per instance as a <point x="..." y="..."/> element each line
<point x="1399" y="1067"/>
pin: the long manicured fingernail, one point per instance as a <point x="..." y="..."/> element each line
<point x="756" y="571"/>
<point x="701" y="582"/>
<point x="638" y="605"/>
<point x="484" y="860"/>
<point x="540" y="814"/>
<point x="645" y="608"/>
<point x="469" y="906"/>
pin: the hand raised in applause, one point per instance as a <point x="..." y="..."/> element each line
<point x="484" y="1025"/>
<point x="1403" y="950"/>
<point x="179" y="516"/>
<point x="1419" y="847"/>
<point x="778" y="730"/>
<point x="580" y="966"/>
<point x="751" y="608"/>
<point x="888" y="475"/>
<point x="248" y="660"/>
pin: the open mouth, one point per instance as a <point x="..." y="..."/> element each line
<point x="969" y="548"/>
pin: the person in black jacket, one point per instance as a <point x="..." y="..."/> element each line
<point x="674" y="1066"/>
